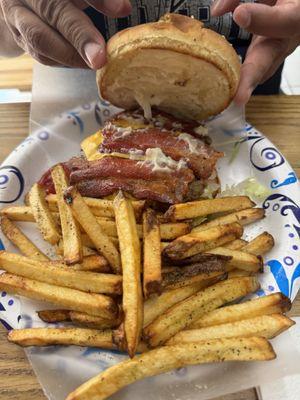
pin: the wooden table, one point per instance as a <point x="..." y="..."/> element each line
<point x="277" y="116"/>
<point x="16" y="73"/>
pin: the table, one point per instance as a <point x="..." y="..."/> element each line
<point x="278" y="117"/>
<point x="16" y="73"/>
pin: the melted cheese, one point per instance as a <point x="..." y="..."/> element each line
<point x="145" y="104"/>
<point x="158" y="161"/>
<point x="191" y="142"/>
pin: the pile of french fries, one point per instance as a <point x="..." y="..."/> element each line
<point x="130" y="278"/>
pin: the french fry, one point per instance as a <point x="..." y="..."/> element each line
<point x="62" y="336"/>
<point x="274" y="303"/>
<point x="20" y="240"/>
<point x="60" y="276"/>
<point x="201" y="208"/>
<point x="93" y="322"/>
<point x="260" y="245"/>
<point x="78" y="318"/>
<point x="167" y="358"/>
<point x="100" y="207"/>
<point x="89" y="223"/>
<point x="169" y="231"/>
<point x="71" y="299"/>
<point x="240" y="259"/>
<point x="42" y="215"/>
<point x="93" y="263"/>
<point x="157" y="305"/>
<point x="200" y="242"/>
<point x="18" y="213"/>
<point x="87" y="242"/>
<point x="53" y="316"/>
<point x="86" y="250"/>
<point x="243" y="217"/>
<point x="131" y="266"/>
<point x="70" y="230"/>
<point x="185" y="313"/>
<point x="237" y="273"/>
<point x="182" y="274"/>
<point x="214" y="278"/>
<point x="267" y="326"/>
<point x="236" y="244"/>
<point x="152" y="277"/>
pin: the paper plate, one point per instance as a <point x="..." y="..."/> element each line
<point x="248" y="153"/>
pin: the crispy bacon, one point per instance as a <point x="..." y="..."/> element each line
<point x="116" y="167"/>
<point x="201" y="160"/>
<point x="162" y="191"/>
<point x="162" y="120"/>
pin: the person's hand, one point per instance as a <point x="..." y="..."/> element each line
<point x="57" y="32"/>
<point x="276" y="29"/>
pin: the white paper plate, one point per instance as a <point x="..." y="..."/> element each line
<point x="61" y="369"/>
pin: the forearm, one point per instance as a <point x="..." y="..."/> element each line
<point x="8" y="47"/>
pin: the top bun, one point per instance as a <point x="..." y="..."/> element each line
<point x="174" y="64"/>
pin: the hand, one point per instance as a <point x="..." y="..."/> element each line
<point x="276" y="29"/>
<point x="57" y="32"/>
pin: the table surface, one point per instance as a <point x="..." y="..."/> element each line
<point x="278" y="117"/>
<point x="16" y="73"/>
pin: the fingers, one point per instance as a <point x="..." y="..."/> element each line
<point x="220" y="7"/>
<point x="40" y="40"/>
<point x="263" y="58"/>
<point x="277" y="21"/>
<point x="74" y="26"/>
<point x="112" y="8"/>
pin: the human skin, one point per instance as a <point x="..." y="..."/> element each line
<point x="275" y="26"/>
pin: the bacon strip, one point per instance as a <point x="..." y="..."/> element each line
<point x="162" y="191"/>
<point x="202" y="161"/>
<point x="116" y="167"/>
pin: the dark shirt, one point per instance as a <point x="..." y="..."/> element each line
<point x="151" y="10"/>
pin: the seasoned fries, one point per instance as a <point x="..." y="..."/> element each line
<point x="42" y="215"/>
<point x="157" y="305"/>
<point x="203" y="241"/>
<point x="131" y="267"/>
<point x="185" y="313"/>
<point x="89" y="223"/>
<point x="240" y="259"/>
<point x="100" y="207"/>
<point x="152" y="277"/>
<point x="181" y="299"/>
<point x="18" y="213"/>
<point x="236" y="244"/>
<point x="167" y="358"/>
<point x="272" y="304"/>
<point x="71" y="235"/>
<point x="61" y="276"/>
<point x="91" y="303"/>
<point x="243" y="217"/>
<point x="78" y="318"/>
<point x="267" y="326"/>
<point x="260" y="245"/>
<point x="203" y="208"/>
<point x="63" y="336"/>
<point x="53" y="316"/>
<point x="21" y="241"/>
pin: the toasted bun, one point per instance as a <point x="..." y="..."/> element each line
<point x="174" y="64"/>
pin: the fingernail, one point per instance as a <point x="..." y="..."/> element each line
<point x="215" y="7"/>
<point x="94" y="55"/>
<point x="242" y="17"/>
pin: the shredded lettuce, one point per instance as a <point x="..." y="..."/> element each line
<point x="248" y="187"/>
